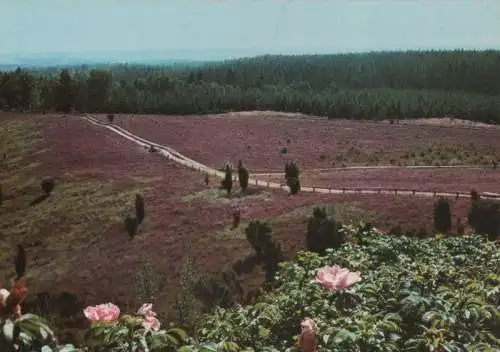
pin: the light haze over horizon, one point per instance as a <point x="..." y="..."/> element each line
<point x="255" y="27"/>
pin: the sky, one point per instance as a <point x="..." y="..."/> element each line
<point x="259" y="26"/>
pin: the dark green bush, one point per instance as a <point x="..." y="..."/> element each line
<point x="258" y="234"/>
<point x="442" y="215"/>
<point x="322" y="232"/>
<point x="140" y="212"/>
<point x="227" y="182"/>
<point x="243" y="176"/>
<point x="47" y="185"/>
<point x="292" y="177"/>
<point x="131" y="225"/>
<point x="484" y="217"/>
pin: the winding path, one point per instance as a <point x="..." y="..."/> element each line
<point x="177" y="157"/>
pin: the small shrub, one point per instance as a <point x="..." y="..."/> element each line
<point x="111" y="118"/>
<point x="217" y="290"/>
<point x="243" y="176"/>
<point x="47" y="185"/>
<point x="258" y="234"/>
<point x="292" y="177"/>
<point x="236" y="218"/>
<point x="1" y="196"/>
<point x="148" y="282"/>
<point x="272" y="257"/>
<point x="484" y="217"/>
<point x="20" y="262"/>
<point x="474" y="195"/>
<point x="227" y="182"/>
<point x="140" y="212"/>
<point x="187" y="306"/>
<point x="460" y="227"/>
<point x="207" y="179"/>
<point x="284" y="150"/>
<point x="152" y="149"/>
<point x="442" y="215"/>
<point x="322" y="232"/>
<point x="131" y="226"/>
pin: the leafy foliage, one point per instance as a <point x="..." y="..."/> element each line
<point x="29" y="333"/>
<point x="415" y="295"/>
<point x="217" y="290"/>
<point x="128" y="334"/>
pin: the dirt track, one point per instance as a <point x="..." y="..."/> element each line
<point x="173" y="155"/>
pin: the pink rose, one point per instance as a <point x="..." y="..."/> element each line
<point x="146" y="310"/>
<point x="102" y="312"/>
<point x="151" y="323"/>
<point x="307" y="338"/>
<point x="149" y="320"/>
<point x="336" y="278"/>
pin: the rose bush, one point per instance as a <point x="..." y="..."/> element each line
<point x="436" y="294"/>
<point x="111" y="332"/>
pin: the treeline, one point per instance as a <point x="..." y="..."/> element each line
<point x="361" y="86"/>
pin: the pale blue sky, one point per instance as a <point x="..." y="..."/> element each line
<point x="41" y="26"/>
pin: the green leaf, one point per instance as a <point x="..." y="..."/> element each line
<point x="67" y="348"/>
<point x="8" y="330"/>
<point x="344" y="336"/>
<point x="325" y="338"/>
<point x="180" y="334"/>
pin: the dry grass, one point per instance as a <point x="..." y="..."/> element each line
<point x="71" y="218"/>
<point x="347" y="212"/>
<point x="219" y="196"/>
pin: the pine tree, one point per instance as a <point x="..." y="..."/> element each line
<point x="243" y="176"/>
<point x="227" y="182"/>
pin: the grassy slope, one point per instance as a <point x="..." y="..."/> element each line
<point x="75" y="215"/>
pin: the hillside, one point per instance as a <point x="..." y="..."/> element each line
<point x="394" y="85"/>
<point x="74" y="234"/>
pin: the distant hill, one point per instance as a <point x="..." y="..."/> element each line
<point x="190" y="58"/>
<point x="35" y="61"/>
